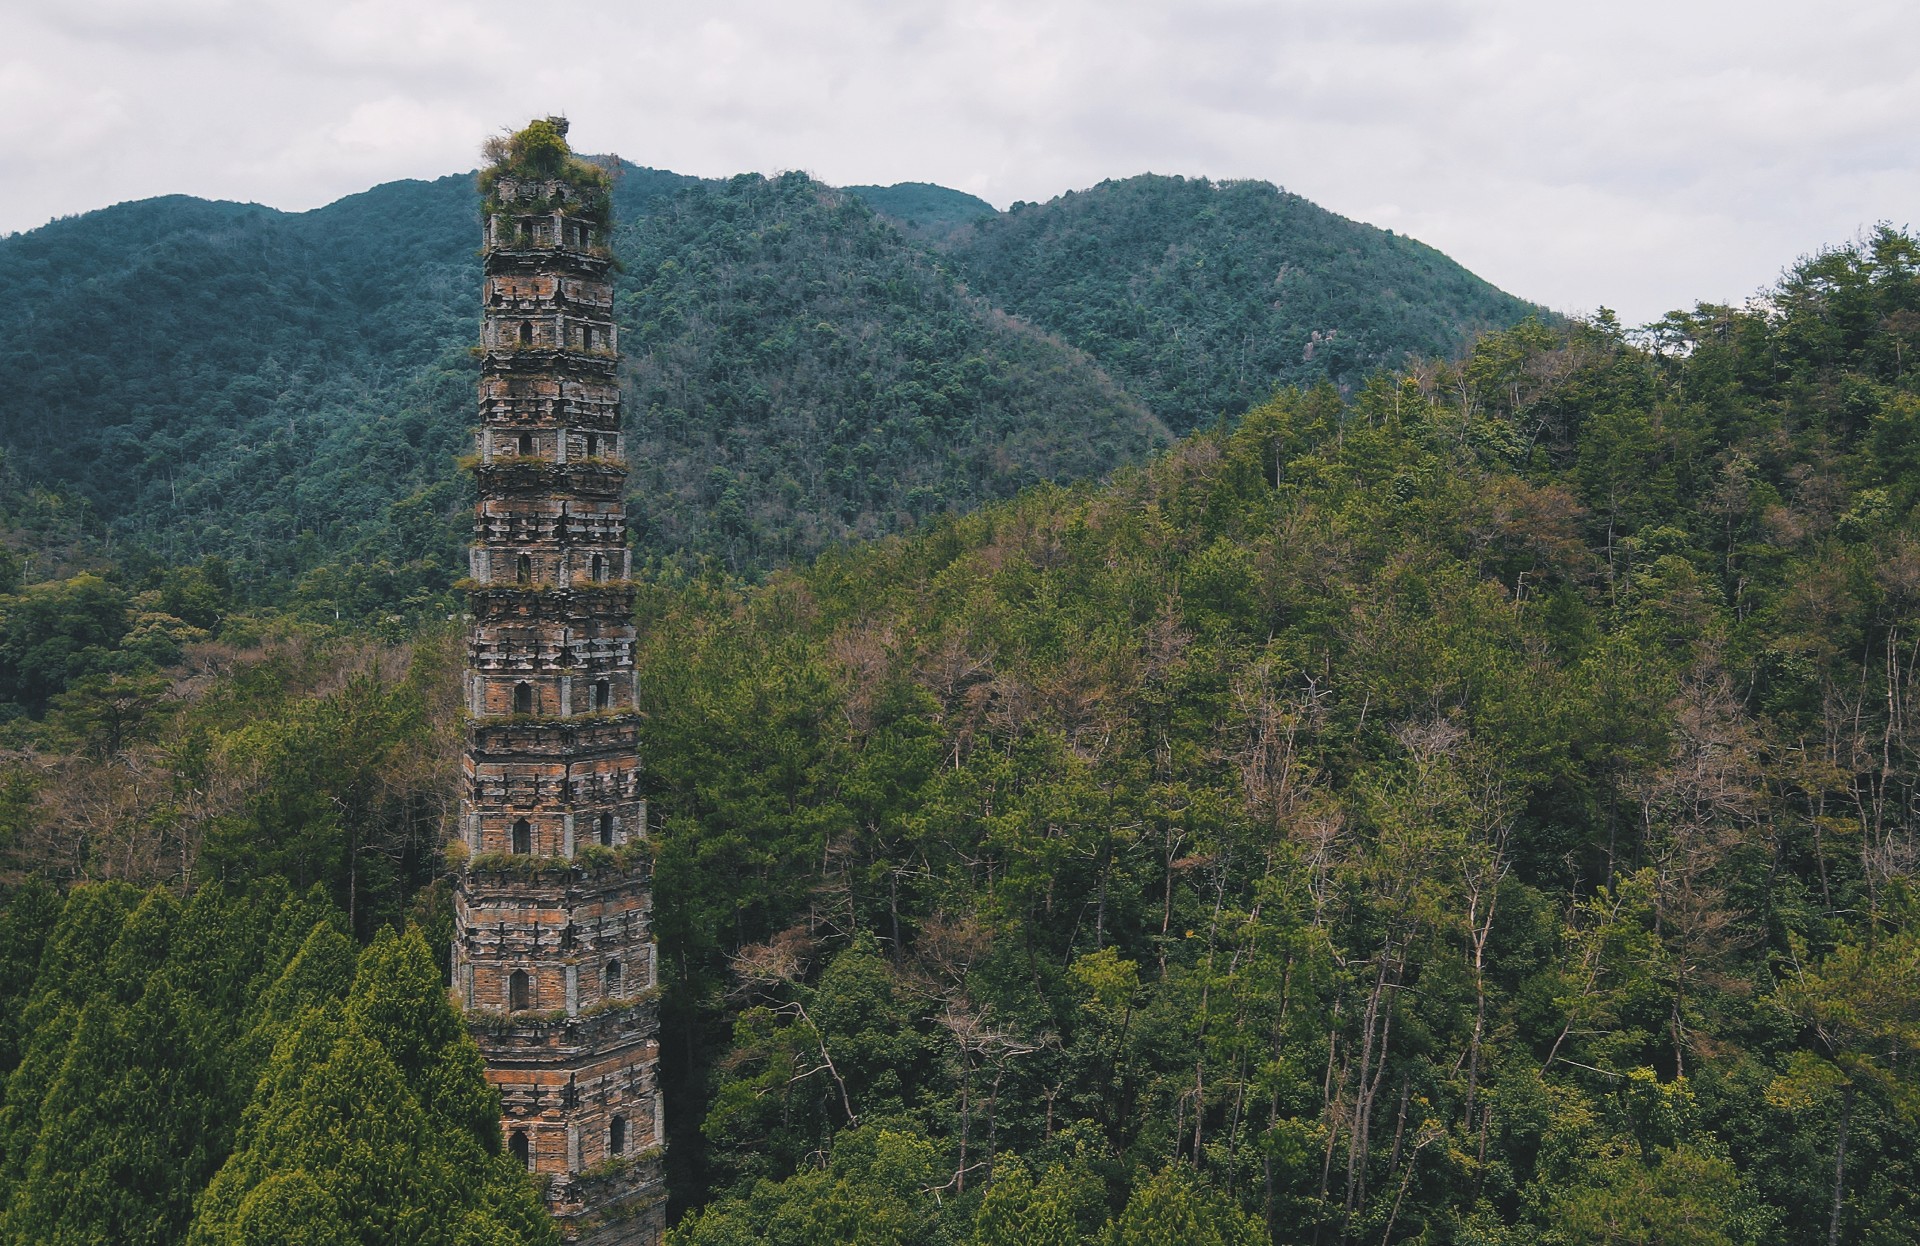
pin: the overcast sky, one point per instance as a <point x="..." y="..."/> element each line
<point x="1635" y="154"/>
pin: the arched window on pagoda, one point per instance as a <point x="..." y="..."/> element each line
<point x="521" y="1149"/>
<point x="617" y="1136"/>
<point x="612" y="976"/>
<point x="606" y="829"/>
<point x="519" y="991"/>
<point x="523" y="698"/>
<point x="522" y="837"/>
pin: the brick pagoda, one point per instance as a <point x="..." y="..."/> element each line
<point x="553" y="956"/>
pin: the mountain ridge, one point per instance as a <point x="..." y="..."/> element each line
<point x="286" y="389"/>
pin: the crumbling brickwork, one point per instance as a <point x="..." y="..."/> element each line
<point x="553" y="955"/>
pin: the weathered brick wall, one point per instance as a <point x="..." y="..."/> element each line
<point x="552" y="766"/>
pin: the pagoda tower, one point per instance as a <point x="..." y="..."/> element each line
<point x="553" y="956"/>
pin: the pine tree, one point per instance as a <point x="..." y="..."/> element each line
<point x="130" y="1129"/>
<point x="372" y="1121"/>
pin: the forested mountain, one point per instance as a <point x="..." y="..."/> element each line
<point x="220" y="378"/>
<point x="1200" y="296"/>
<point x="289" y="391"/>
<point x="796" y="376"/>
<point x="1475" y="808"/>
<point x="1478" y="810"/>
<point x="923" y="208"/>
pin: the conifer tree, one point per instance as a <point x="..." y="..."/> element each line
<point x="71" y="974"/>
<point x="24" y="928"/>
<point x="372" y="1122"/>
<point x="130" y="1129"/>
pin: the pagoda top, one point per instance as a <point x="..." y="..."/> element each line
<point x="533" y="170"/>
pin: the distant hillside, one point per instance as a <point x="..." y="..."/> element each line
<point x="1201" y="297"/>
<point x="216" y="377"/>
<point x="289" y="390"/>
<point x="799" y="374"/>
<point x="924" y="208"/>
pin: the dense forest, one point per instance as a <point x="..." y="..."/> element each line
<point x="1475" y="807"/>
<point x="1200" y="297"/>
<point x="288" y="392"/>
<point x="797" y="376"/>
<point x="923" y="209"/>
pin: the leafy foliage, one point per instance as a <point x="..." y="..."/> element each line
<point x="1476" y="806"/>
<point x="1472" y="809"/>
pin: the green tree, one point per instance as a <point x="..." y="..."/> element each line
<point x="871" y="1192"/>
<point x="1681" y="1198"/>
<point x="53" y="633"/>
<point x="1862" y="1002"/>
<point x="1175" y="1208"/>
<point x="129" y="1131"/>
<point x="31" y="914"/>
<point x="377" y="1103"/>
<point x="1066" y="1204"/>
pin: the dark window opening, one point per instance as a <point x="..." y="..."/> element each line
<point x="606" y="829"/>
<point x="522" y="837"/>
<point x="526" y="445"/>
<point x="523" y="698"/>
<point x="617" y="1135"/>
<point x="602" y="694"/>
<point x="519" y="991"/>
<point x="586" y="337"/>
<point x="523" y="569"/>
<point x="612" y="975"/>
<point x="593" y="444"/>
<point x="526" y="232"/>
<point x="517" y="1144"/>
<point x="599" y="566"/>
<point x="526" y="333"/>
<point x="499" y="296"/>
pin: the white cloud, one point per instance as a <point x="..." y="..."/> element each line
<point x="1636" y="154"/>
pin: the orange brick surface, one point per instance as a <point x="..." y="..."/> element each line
<point x="553" y="956"/>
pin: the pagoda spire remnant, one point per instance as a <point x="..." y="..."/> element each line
<point x="553" y="956"/>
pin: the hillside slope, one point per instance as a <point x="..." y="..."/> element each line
<point x="290" y="390"/>
<point x="227" y="378"/>
<point x="924" y="209"/>
<point x="797" y="375"/>
<point x="1479" y="810"/>
<point x="1201" y="297"/>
